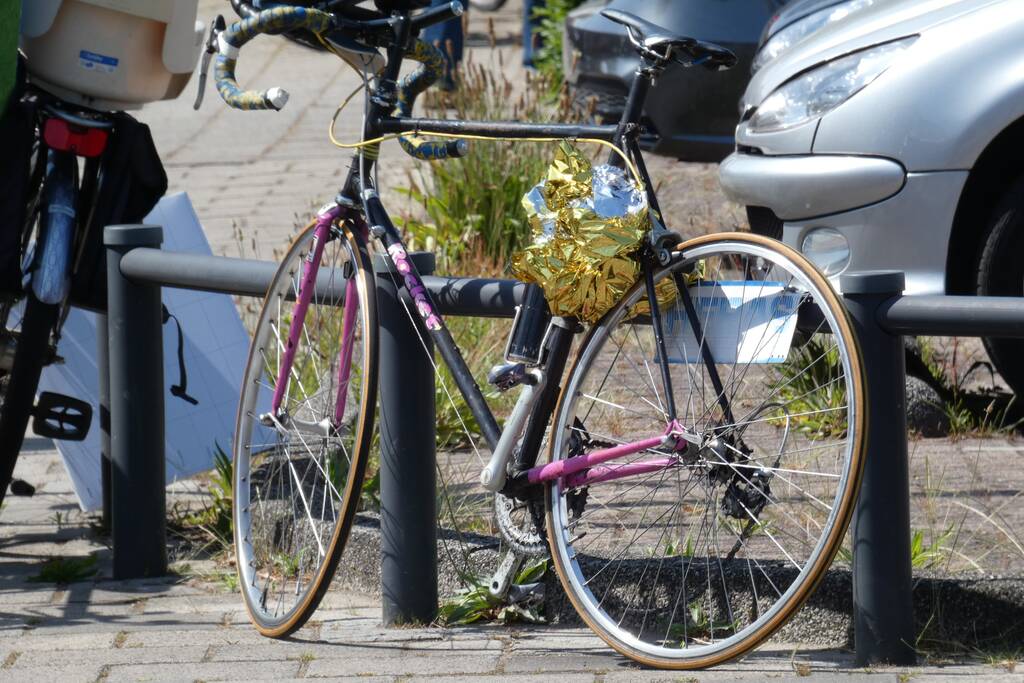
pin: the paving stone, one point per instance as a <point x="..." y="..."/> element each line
<point x="202" y="671"/>
<point x="394" y="661"/>
<point x="32" y="641"/>
<point x="562" y="678"/>
<point x="118" y="655"/>
<point x="208" y="637"/>
<point x="50" y="674"/>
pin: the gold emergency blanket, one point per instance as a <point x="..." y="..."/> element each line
<point x="586" y="223"/>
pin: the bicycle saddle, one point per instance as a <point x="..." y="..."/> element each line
<point x="662" y="43"/>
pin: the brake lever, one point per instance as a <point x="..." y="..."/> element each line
<point x="209" y="50"/>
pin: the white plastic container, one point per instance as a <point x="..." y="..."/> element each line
<point x="111" y="54"/>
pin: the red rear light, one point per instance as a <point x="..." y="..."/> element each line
<point x="79" y="140"/>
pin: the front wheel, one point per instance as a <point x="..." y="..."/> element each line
<point x="712" y="542"/>
<point x="298" y="472"/>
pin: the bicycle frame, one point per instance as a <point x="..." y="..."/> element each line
<point x="359" y="190"/>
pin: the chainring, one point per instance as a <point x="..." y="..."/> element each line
<point x="521" y="523"/>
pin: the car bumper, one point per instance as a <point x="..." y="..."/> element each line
<point x="891" y="219"/>
<point x="809" y="185"/>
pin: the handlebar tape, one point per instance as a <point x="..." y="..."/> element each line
<point x="432" y="68"/>
<point x="231" y="40"/>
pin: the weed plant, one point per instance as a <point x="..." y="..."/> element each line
<point x="64" y="570"/>
<point x="812" y="389"/>
<point x="475" y="603"/>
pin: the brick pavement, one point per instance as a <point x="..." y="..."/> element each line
<point x="192" y="628"/>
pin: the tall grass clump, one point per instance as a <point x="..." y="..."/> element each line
<point x="470" y="210"/>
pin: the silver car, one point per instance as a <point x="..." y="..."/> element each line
<point x="895" y="139"/>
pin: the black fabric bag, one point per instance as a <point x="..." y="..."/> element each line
<point x="132" y="181"/>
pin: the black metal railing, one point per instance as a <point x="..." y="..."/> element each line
<point x="137" y="269"/>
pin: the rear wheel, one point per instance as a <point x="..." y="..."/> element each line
<point x="298" y="473"/>
<point x="705" y="554"/>
<point x="19" y="386"/>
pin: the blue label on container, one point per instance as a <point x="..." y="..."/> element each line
<point x="94" y="61"/>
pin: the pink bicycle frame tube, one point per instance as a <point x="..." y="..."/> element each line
<point x="307" y="287"/>
<point x="589" y="468"/>
<point x="348" y="331"/>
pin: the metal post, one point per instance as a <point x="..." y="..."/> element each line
<point x="882" y="603"/>
<point x="138" y="529"/>
<point x="408" y="516"/>
<point x="103" y="370"/>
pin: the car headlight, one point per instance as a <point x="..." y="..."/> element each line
<point x="802" y="28"/>
<point x="820" y="90"/>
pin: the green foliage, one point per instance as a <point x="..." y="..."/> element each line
<point x="926" y="556"/>
<point x="481" y="342"/>
<point x="287" y="564"/>
<point x="63" y="570"/>
<point x="812" y="387"/>
<point x="475" y="602"/>
<point x="215" y="518"/>
<point x="549" y="35"/>
<point x="699" y="625"/>
<point x="969" y="413"/>
<point x="213" y="523"/>
<point x="337" y="472"/>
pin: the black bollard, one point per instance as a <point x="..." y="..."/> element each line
<point x="134" y="328"/>
<point x="408" y="515"/>
<point x="882" y="583"/>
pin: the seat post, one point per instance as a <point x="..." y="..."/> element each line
<point x="634" y="109"/>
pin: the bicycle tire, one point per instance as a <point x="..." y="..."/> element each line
<point x="259" y="502"/>
<point x="641" y="616"/>
<point x="33" y="349"/>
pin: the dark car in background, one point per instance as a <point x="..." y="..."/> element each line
<point x="691" y="113"/>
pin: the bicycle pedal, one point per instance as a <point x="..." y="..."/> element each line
<point x="508" y="375"/>
<point x="61" y="417"/>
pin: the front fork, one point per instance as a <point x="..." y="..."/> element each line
<point x="307" y="289"/>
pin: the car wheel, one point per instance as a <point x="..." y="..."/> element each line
<point x="486" y="5"/>
<point x="1000" y="272"/>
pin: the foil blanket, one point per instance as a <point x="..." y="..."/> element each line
<point x="586" y="225"/>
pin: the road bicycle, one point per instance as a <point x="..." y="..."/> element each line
<point x="704" y="449"/>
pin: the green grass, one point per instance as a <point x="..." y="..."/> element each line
<point x="931" y="554"/>
<point x="812" y="388"/>
<point x="62" y="570"/>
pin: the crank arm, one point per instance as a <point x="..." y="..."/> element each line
<point x="501" y="581"/>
